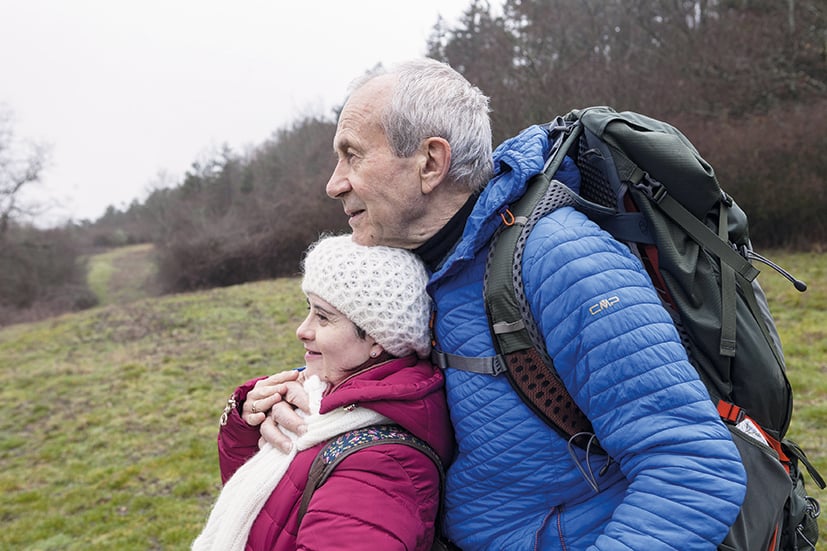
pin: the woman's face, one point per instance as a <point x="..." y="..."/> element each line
<point x="332" y="346"/>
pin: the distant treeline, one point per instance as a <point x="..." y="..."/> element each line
<point x="746" y="80"/>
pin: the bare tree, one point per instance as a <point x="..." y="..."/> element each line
<point x="21" y="164"/>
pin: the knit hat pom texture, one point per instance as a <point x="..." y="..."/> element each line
<point x="380" y="289"/>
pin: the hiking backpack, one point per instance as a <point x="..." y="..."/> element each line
<point x="645" y="183"/>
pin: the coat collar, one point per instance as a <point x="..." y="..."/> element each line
<point x="515" y="161"/>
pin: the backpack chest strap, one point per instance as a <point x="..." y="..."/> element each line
<point x="486" y="365"/>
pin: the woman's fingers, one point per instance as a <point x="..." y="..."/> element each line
<point x="266" y="393"/>
<point x="271" y="434"/>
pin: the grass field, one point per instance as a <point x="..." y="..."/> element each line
<point x="107" y="440"/>
<point x="123" y="274"/>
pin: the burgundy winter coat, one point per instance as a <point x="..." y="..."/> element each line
<point x="383" y="497"/>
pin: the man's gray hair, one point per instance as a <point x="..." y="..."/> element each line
<point x="431" y="99"/>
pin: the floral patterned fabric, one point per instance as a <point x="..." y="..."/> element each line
<point x="366" y="436"/>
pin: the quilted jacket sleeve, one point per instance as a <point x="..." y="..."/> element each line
<point x="383" y="497"/>
<point x="618" y="353"/>
<point x="237" y="441"/>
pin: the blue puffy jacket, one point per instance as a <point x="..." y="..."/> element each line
<point x="676" y="480"/>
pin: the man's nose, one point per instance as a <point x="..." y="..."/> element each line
<point x="338" y="184"/>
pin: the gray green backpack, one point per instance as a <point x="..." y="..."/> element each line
<point x="646" y="184"/>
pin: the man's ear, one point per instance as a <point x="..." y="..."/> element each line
<point x="437" y="160"/>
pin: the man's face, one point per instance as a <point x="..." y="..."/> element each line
<point x="380" y="192"/>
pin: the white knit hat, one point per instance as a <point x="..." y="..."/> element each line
<point x="380" y="289"/>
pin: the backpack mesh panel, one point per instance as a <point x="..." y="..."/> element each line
<point x="557" y="196"/>
<point x="594" y="184"/>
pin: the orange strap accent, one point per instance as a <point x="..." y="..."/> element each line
<point x="730" y="412"/>
<point x="734" y="414"/>
<point x="509" y="220"/>
<point x="774" y="539"/>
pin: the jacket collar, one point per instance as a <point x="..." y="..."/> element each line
<point x="515" y="161"/>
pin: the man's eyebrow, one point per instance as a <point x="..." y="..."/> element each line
<point x="342" y="143"/>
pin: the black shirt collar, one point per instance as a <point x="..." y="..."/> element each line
<point x="436" y="249"/>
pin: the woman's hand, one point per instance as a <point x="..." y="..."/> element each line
<point x="265" y="394"/>
<point x="272" y="402"/>
<point x="283" y="413"/>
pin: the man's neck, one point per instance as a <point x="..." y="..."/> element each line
<point x="436" y="248"/>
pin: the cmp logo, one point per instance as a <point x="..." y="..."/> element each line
<point x="604" y="304"/>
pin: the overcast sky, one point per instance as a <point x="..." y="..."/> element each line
<point x="125" y="90"/>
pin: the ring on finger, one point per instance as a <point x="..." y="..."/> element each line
<point x="253" y="408"/>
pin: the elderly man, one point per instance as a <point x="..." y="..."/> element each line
<point x="415" y="170"/>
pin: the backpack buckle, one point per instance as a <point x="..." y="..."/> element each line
<point x="730" y="412"/>
<point x="650" y="187"/>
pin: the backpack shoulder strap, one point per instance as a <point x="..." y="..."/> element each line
<point x="337" y="449"/>
<point x="513" y="331"/>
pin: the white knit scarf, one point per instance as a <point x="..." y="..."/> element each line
<point x="248" y="489"/>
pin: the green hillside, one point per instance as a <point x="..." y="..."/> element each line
<point x="108" y="435"/>
<point x="123" y="274"/>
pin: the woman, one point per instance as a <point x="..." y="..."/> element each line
<point x="366" y="340"/>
